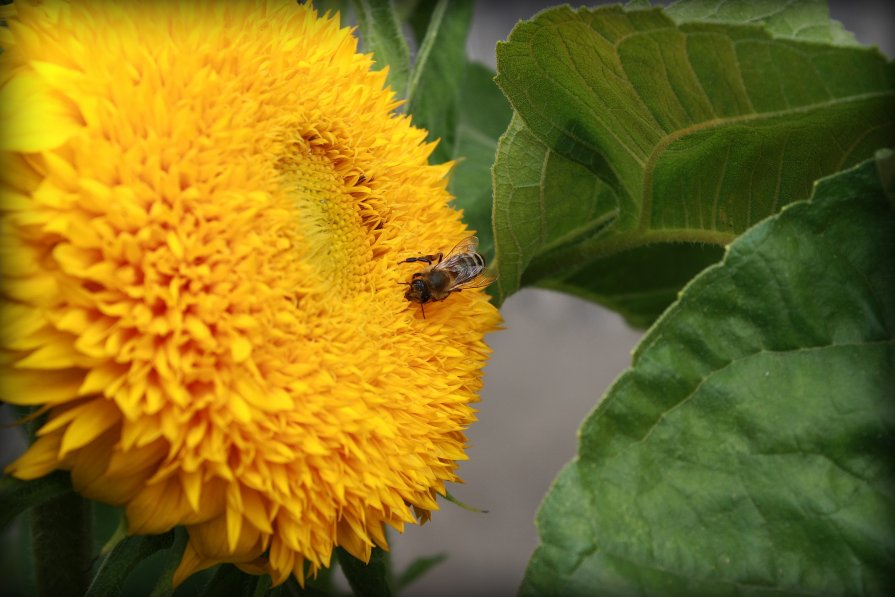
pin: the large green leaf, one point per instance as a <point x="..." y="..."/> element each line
<point x="748" y="449"/>
<point x="340" y="7"/>
<point x="381" y="33"/>
<point x="230" y="581"/>
<point x="437" y="74"/>
<point x="164" y="581"/>
<point x="541" y="200"/>
<point x="62" y="545"/>
<point x="661" y="271"/>
<point x="17" y="496"/>
<point x="805" y="20"/>
<point x="547" y="205"/>
<point x="123" y="558"/>
<point x="699" y="129"/>
<point x="483" y="115"/>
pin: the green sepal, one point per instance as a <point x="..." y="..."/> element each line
<point x="367" y="580"/>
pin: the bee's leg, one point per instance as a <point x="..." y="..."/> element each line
<point x="423" y="309"/>
<point x="425" y="259"/>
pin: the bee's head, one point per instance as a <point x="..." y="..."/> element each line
<point x="417" y="292"/>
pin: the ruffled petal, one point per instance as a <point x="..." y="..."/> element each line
<point x="204" y="206"/>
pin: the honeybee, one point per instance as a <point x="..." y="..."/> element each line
<point x="462" y="268"/>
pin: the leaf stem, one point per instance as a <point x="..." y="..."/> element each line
<point x="62" y="538"/>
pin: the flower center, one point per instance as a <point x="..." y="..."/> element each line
<point x="337" y="242"/>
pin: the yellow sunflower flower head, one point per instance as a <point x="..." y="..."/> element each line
<point x="203" y="209"/>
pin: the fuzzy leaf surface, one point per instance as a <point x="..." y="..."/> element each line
<point x="806" y="20"/>
<point x="484" y="115"/>
<point x="437" y="74"/>
<point x="380" y="30"/>
<point x="747" y="451"/>
<point x="697" y="129"/>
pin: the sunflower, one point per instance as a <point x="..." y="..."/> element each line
<point x="203" y="208"/>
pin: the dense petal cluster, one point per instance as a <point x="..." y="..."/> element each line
<point x="203" y="208"/>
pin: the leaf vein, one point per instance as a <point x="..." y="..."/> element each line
<point x="686" y="398"/>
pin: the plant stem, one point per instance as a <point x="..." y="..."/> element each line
<point x="62" y="540"/>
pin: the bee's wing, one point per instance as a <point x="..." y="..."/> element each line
<point x="470" y="272"/>
<point x="467" y="265"/>
<point x="478" y="281"/>
<point x="464" y="266"/>
<point x="467" y="245"/>
<point x="463" y="259"/>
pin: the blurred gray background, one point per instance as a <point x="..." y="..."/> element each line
<point x="552" y="363"/>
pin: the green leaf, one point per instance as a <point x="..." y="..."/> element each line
<point x="418" y="568"/>
<point x="639" y="283"/>
<point x="164" y="587"/>
<point x="263" y="586"/>
<point x="62" y="543"/>
<point x="17" y="496"/>
<point x="697" y="131"/>
<point x="748" y="449"/>
<point x="542" y="201"/>
<point x="438" y="73"/>
<point x="331" y="7"/>
<point x="16" y="563"/>
<point x="229" y="580"/>
<point x="380" y="30"/>
<point x="367" y="580"/>
<point x="118" y="535"/>
<point x="123" y="559"/>
<point x="886" y="172"/>
<point x="484" y="114"/>
<point x="417" y="14"/>
<point x="805" y="20"/>
<point x="547" y="205"/>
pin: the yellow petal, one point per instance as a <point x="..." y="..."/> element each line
<point x="159" y="507"/>
<point x="190" y="563"/>
<point x="28" y="387"/>
<point x="241" y="349"/>
<point x="42" y="457"/>
<point x="98" y="379"/>
<point x="33" y="117"/>
<point x="58" y="355"/>
<point x="234" y="527"/>
<point x="202" y="263"/>
<point x="192" y="487"/>
<point x="255" y="511"/>
<point x="97" y="416"/>
<point x="282" y="560"/>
